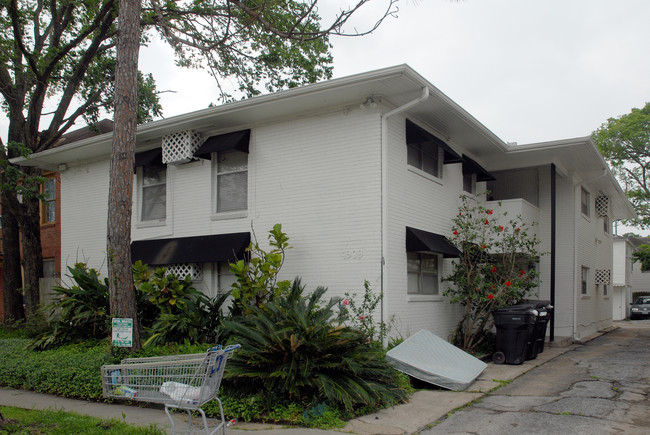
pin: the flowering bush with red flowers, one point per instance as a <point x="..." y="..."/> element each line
<point x="360" y="314"/>
<point x="494" y="269"/>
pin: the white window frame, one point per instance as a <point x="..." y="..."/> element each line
<point x="472" y="181"/>
<point x="585" y="202"/>
<point x="420" y="291"/>
<point x="584" y="280"/>
<point x="48" y="205"/>
<point x="141" y="187"/>
<point x="215" y="187"/>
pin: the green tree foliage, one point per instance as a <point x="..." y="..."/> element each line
<point x="296" y="346"/>
<point x="642" y="255"/>
<point x="625" y="144"/>
<point x="494" y="269"/>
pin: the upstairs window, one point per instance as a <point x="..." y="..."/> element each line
<point x="585" y="202"/>
<point x="48" y="203"/>
<point x="231" y="181"/>
<point x="154" y="193"/>
<point x="426" y="152"/>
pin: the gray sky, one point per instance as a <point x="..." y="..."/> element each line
<point x="530" y="71"/>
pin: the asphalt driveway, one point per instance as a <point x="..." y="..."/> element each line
<point x="601" y="387"/>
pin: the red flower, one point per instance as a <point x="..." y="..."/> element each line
<point x="522" y="272"/>
<point x="517" y="229"/>
<point x="500" y="228"/>
<point x="490" y="296"/>
<point x="486" y="222"/>
<point x="361" y="317"/>
<point x="494" y="269"/>
<point x="455" y="232"/>
<point x="508" y="283"/>
<point x="460" y="214"/>
<point x="346" y="302"/>
<point x="489" y="212"/>
<point x="483" y="246"/>
<point x="475" y="289"/>
<point x="491" y="285"/>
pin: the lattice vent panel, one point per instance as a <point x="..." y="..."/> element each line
<point x="603" y="276"/>
<point x="602" y="206"/>
<point x="194" y="270"/>
<point x="179" y="147"/>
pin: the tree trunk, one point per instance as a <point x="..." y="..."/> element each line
<point x="12" y="300"/>
<point x="120" y="273"/>
<point x="30" y="225"/>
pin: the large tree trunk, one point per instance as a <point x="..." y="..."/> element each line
<point x="30" y="225"/>
<point x="12" y="300"/>
<point x="120" y="273"/>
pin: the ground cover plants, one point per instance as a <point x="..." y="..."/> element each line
<point x="304" y="359"/>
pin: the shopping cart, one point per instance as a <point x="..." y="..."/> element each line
<point x="179" y="381"/>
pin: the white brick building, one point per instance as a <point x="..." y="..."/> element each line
<point x="359" y="171"/>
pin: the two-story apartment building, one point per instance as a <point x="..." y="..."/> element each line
<point x="364" y="173"/>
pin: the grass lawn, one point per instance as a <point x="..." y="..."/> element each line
<point x="20" y="421"/>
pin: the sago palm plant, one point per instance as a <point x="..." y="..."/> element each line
<point x="296" y="347"/>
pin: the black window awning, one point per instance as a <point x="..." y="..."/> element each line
<point x="471" y="167"/>
<point x="237" y="140"/>
<point x="415" y="134"/>
<point x="198" y="249"/>
<point x="424" y="241"/>
<point x="151" y="157"/>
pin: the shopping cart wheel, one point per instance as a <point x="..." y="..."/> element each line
<point x="498" y="358"/>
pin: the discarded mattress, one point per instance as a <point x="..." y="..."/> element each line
<point x="431" y="359"/>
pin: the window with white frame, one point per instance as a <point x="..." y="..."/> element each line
<point x="231" y="189"/>
<point x="225" y="277"/>
<point x="422" y="270"/>
<point x="48" y="203"/>
<point x="154" y="193"/>
<point x="584" y="280"/>
<point x="606" y="225"/>
<point x="585" y="202"/>
<point x="426" y="156"/>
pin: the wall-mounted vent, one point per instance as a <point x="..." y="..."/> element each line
<point x="194" y="270"/>
<point x="179" y="147"/>
<point x="602" y="206"/>
<point x="603" y="276"/>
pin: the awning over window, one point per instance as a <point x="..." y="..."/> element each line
<point x="199" y="249"/>
<point x="471" y="167"/>
<point x="237" y="140"/>
<point x="151" y="157"/>
<point x="424" y="241"/>
<point x="415" y="134"/>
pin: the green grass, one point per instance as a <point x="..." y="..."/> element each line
<point x="20" y="421"/>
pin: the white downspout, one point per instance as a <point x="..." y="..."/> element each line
<point x="384" y="186"/>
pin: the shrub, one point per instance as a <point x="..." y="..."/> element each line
<point x="361" y="315"/>
<point x="493" y="269"/>
<point x="296" y="347"/>
<point x="257" y="281"/>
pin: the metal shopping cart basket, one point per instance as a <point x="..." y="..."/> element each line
<point x="178" y="381"/>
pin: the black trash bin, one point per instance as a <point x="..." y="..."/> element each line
<point x="514" y="333"/>
<point x="545" y="310"/>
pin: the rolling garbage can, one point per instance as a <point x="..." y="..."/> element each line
<point x="514" y="332"/>
<point x="545" y="310"/>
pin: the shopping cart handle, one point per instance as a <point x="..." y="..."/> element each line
<point x="228" y="348"/>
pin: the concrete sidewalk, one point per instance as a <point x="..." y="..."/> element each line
<point x="423" y="408"/>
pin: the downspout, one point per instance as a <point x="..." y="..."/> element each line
<point x="553" y="241"/>
<point x="384" y="186"/>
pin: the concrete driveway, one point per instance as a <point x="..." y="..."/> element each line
<point x="601" y="387"/>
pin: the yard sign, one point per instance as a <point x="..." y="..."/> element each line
<point x="122" y="332"/>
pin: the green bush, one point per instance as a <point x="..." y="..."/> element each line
<point x="296" y="347"/>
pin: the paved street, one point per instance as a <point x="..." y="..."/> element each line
<point x="601" y="387"/>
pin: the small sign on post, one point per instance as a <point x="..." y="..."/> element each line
<point x="122" y="332"/>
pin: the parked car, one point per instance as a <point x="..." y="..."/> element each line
<point x="640" y="308"/>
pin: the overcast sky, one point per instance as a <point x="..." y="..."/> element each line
<point x="529" y="70"/>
